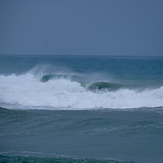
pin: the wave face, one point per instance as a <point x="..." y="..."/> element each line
<point x="69" y="92"/>
<point x="104" y="86"/>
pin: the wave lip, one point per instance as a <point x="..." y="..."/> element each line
<point x="51" y="76"/>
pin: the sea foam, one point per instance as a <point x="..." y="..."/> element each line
<point x="28" y="92"/>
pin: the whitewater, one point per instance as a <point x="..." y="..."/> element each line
<point x="27" y="91"/>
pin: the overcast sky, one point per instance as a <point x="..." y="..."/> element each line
<point x="100" y="27"/>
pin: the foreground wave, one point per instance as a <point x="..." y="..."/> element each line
<point x="19" y="159"/>
<point x="70" y="92"/>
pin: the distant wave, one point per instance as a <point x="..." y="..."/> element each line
<point x="70" y="92"/>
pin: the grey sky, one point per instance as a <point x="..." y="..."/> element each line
<point x="112" y="27"/>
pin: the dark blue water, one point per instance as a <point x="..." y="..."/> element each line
<point x="48" y="113"/>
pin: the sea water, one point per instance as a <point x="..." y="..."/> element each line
<point x="81" y="109"/>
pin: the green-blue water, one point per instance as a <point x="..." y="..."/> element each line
<point x="49" y="111"/>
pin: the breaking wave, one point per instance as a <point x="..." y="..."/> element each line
<point x="70" y="92"/>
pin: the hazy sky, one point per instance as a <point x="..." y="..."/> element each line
<point x="112" y="27"/>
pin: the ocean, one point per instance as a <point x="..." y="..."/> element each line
<point x="102" y="109"/>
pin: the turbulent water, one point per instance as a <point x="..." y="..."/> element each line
<point x="81" y="109"/>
